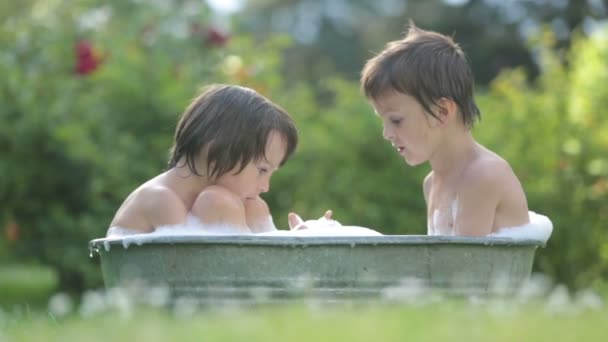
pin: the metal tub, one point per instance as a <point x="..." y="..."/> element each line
<point x="244" y="267"/>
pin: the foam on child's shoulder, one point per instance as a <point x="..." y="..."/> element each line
<point x="192" y="227"/>
<point x="539" y="229"/>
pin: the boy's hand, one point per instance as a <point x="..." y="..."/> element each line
<point x="258" y="216"/>
<point x="297" y="223"/>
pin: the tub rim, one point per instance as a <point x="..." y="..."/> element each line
<point x="266" y="240"/>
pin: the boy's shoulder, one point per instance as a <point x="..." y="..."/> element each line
<point x="149" y="206"/>
<point x="157" y="195"/>
<point x="161" y="203"/>
<point x="487" y="168"/>
<point x="489" y="185"/>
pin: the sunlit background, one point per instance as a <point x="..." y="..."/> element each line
<point x="91" y="90"/>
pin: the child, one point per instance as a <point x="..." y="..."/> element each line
<point x="422" y="88"/>
<point x="227" y="145"/>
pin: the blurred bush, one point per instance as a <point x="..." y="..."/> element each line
<point x="26" y="284"/>
<point x="555" y="135"/>
<point x="91" y="95"/>
<point x="90" y="100"/>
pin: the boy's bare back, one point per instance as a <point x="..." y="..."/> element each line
<point x="151" y="205"/>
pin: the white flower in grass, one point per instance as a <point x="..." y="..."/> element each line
<point x="184" y="307"/>
<point x="588" y="299"/>
<point x="93" y="302"/>
<point x="559" y="300"/>
<point x="122" y="301"/>
<point x="60" y="304"/>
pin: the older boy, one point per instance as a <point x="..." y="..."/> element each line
<point x="422" y="88"/>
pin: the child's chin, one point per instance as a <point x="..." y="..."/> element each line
<point x="413" y="162"/>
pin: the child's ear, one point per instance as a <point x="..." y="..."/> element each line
<point x="447" y="109"/>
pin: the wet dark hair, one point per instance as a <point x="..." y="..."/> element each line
<point x="427" y="66"/>
<point x="229" y="126"/>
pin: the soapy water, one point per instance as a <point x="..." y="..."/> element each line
<point x="193" y="226"/>
<point x="325" y="227"/>
<point x="539" y="229"/>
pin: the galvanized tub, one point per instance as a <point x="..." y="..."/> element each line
<point x="210" y="268"/>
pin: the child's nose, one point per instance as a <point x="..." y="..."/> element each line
<point x="386" y="133"/>
<point x="264" y="185"/>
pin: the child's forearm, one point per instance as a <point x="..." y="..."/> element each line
<point x="258" y="216"/>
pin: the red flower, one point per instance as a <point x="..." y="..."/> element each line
<point x="11" y="230"/>
<point x="86" y="61"/>
<point x="216" y="38"/>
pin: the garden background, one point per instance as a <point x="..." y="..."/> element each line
<point x="90" y="92"/>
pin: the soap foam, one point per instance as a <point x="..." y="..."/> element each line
<point x="325" y="227"/>
<point x="539" y="229"/>
<point x="193" y="226"/>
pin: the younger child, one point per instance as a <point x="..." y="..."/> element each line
<point x="227" y="145"/>
<point x="422" y="88"/>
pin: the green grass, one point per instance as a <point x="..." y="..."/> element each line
<point x="444" y="321"/>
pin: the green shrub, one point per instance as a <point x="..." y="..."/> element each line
<point x="22" y="283"/>
<point x="554" y="134"/>
<point x="73" y="145"/>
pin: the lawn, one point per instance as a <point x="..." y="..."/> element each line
<point x="543" y="312"/>
<point x="446" y="320"/>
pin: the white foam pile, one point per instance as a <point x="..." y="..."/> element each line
<point x="192" y="227"/>
<point x="325" y="227"/>
<point x="539" y="229"/>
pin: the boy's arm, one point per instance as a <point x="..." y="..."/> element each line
<point x="162" y="207"/>
<point x="426" y="189"/>
<point x="478" y="199"/>
<point x="258" y="216"/>
<point x="426" y="186"/>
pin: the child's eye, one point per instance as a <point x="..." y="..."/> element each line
<point x="396" y="122"/>
<point x="263" y="169"/>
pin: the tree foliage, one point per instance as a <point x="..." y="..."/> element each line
<point x="74" y="142"/>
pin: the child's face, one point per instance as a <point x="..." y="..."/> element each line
<point x="411" y="131"/>
<point x="255" y="177"/>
